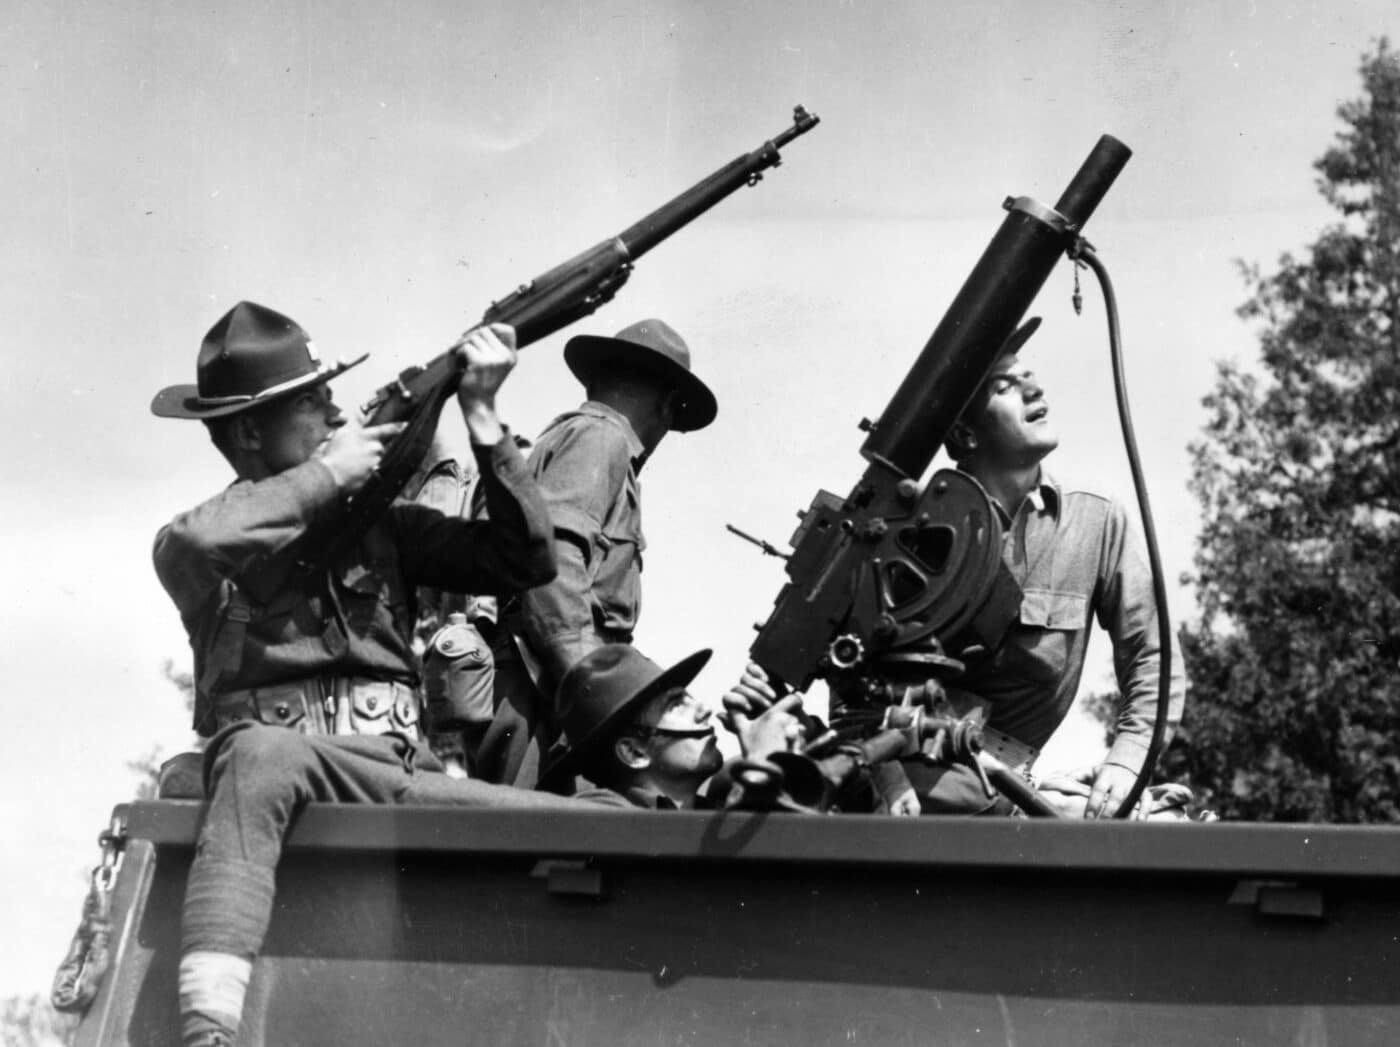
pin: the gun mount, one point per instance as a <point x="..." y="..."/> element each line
<point x="896" y="582"/>
<point x="813" y="779"/>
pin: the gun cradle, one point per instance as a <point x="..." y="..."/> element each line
<point x="905" y="578"/>
<point x="935" y="572"/>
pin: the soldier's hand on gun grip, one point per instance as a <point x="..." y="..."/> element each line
<point x="749" y="697"/>
<point x="774" y="730"/>
<point x="353" y="451"/>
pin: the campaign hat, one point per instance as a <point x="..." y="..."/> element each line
<point x="600" y="692"/>
<point x="252" y="355"/>
<point x="953" y="442"/>
<point x="653" y="347"/>
<point x="1019" y="337"/>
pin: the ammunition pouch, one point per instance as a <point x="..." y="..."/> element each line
<point x="325" y="706"/>
<point x="375" y="707"/>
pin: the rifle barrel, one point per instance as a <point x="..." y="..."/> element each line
<point x="642" y="236"/>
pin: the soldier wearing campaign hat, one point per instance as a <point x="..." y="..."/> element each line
<point x="262" y="389"/>
<point x="312" y="684"/>
<point x="1078" y="557"/>
<point x="634" y="728"/>
<point x="640" y="386"/>
<point x="251" y="356"/>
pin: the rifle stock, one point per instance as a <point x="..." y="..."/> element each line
<point x="552" y="300"/>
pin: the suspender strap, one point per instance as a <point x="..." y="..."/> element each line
<point x="224" y="655"/>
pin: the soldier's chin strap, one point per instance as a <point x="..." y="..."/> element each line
<point x="674" y="732"/>
<point x="1082" y="253"/>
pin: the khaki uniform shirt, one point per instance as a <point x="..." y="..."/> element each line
<point x="584" y="463"/>
<point x="1077" y="556"/>
<point x="356" y="619"/>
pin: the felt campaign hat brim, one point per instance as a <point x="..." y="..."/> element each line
<point x="1019" y="337"/>
<point x="184" y="401"/>
<point x="589" y="354"/>
<point x="567" y="755"/>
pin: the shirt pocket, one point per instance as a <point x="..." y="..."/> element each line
<point x="617" y="588"/>
<point x="1037" y="649"/>
<point x="1048" y="609"/>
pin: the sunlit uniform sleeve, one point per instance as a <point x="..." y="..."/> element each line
<point x="510" y="550"/>
<point x="1127" y="611"/>
<point x="243" y="527"/>
<point x="355" y="619"/>
<point x="583" y="464"/>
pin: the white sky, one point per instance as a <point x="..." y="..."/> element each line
<point x="380" y="172"/>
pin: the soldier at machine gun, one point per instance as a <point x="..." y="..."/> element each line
<point x="1077" y="555"/>
<point x="899" y="589"/>
<point x="632" y="729"/>
<point x="639" y="738"/>
<point x="1074" y="555"/>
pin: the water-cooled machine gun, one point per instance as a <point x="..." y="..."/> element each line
<point x="893" y="586"/>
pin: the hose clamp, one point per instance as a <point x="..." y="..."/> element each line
<point x="1048" y="215"/>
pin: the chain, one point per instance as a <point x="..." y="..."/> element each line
<point x="1079" y="244"/>
<point x="80" y="974"/>
<point x="112" y="842"/>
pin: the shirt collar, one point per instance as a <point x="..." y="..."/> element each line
<point x="1044" y="498"/>
<point x="650" y="799"/>
<point x="599" y="410"/>
<point x="1046" y="495"/>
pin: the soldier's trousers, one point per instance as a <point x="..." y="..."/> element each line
<point x="519" y="734"/>
<point x="258" y="778"/>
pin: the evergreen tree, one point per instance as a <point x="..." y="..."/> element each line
<point x="147" y="767"/>
<point x="1294" y="703"/>
<point x="31" y="1021"/>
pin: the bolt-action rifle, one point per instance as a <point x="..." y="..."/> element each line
<point x="896" y="584"/>
<point x="556" y="298"/>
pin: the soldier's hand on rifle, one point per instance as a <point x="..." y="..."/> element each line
<point x="488" y="353"/>
<point x="353" y="450"/>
